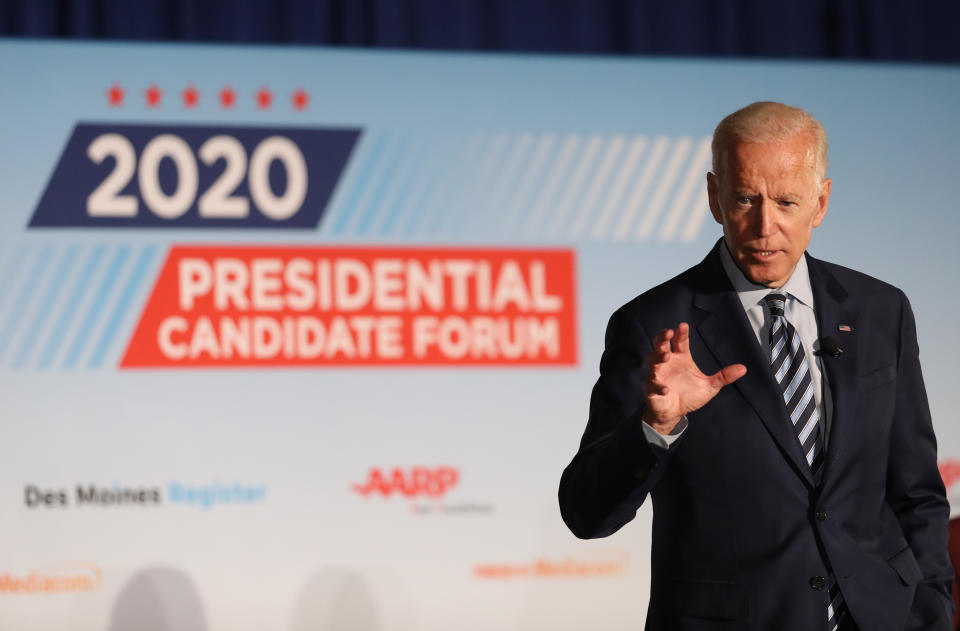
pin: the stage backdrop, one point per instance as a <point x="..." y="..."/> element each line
<point x="302" y="339"/>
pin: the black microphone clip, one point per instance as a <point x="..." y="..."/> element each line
<point x="830" y="346"/>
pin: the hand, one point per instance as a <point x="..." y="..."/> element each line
<point x="674" y="386"/>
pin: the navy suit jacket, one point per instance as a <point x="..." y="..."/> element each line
<point x="740" y="529"/>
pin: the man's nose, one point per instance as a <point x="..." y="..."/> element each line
<point x="765" y="218"/>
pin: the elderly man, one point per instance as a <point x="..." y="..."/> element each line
<point x="772" y="406"/>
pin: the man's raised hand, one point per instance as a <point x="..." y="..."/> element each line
<point x="674" y="386"/>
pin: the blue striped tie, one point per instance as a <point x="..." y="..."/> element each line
<point x="791" y="369"/>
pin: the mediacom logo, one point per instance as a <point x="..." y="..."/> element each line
<point x="311" y="306"/>
<point x="58" y="579"/>
<point x="569" y="567"/>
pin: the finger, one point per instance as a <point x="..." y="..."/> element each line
<point x="682" y="343"/>
<point x="654" y="358"/>
<point x="653" y="383"/>
<point x="654" y="388"/>
<point x="728" y="375"/>
<point x="662" y="342"/>
<point x="660" y="337"/>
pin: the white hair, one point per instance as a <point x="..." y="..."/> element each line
<point x="769" y="121"/>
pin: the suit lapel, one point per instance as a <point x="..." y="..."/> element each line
<point x="726" y="332"/>
<point x="833" y="309"/>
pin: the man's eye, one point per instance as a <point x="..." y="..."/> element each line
<point x="743" y="201"/>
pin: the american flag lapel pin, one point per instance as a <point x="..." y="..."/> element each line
<point x="846" y="328"/>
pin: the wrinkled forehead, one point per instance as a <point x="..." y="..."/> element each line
<point x="792" y="161"/>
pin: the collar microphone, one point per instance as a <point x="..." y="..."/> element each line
<point x="830" y="346"/>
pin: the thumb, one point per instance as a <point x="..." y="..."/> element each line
<point x="728" y="375"/>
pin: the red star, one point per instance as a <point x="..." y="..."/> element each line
<point x="264" y="98"/>
<point x="115" y="95"/>
<point x="300" y="99"/>
<point x="227" y="97"/>
<point x="190" y="96"/>
<point x="154" y="95"/>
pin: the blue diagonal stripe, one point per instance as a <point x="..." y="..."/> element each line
<point x="20" y="303"/>
<point x="359" y="183"/>
<point x="123" y="304"/>
<point x="425" y="181"/>
<point x="448" y="175"/>
<point x="11" y="271"/>
<point x="479" y="179"/>
<point x="557" y="172"/>
<point x="69" y="310"/>
<point x="29" y="341"/>
<point x="389" y="173"/>
<point x="413" y="169"/>
<point x="578" y="183"/>
<point x="96" y="305"/>
<point x="527" y="194"/>
<point x="509" y="180"/>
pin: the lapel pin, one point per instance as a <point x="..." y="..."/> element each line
<point x="846" y="328"/>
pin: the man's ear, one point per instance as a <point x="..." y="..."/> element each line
<point x="712" y="196"/>
<point x="823" y="199"/>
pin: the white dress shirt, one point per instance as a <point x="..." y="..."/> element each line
<point x="799" y="312"/>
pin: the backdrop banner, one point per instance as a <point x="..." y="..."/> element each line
<point x="302" y="339"/>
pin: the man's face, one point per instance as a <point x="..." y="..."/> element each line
<point x="768" y="200"/>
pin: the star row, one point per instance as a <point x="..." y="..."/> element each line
<point x="190" y="97"/>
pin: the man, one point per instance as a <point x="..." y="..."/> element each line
<point x="772" y="406"/>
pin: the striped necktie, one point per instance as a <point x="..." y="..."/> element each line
<point x="791" y="369"/>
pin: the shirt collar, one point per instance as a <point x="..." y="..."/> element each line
<point x="750" y="294"/>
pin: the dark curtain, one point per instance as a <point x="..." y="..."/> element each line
<point x="909" y="30"/>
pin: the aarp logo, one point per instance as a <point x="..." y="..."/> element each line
<point x="412" y="482"/>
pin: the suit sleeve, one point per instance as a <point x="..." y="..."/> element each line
<point x="915" y="489"/>
<point x="615" y="467"/>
